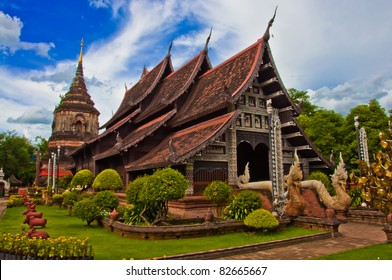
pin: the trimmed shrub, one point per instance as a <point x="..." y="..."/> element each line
<point x="108" y="179"/>
<point x="86" y="210"/>
<point x="106" y="200"/>
<point x="243" y="204"/>
<point x="261" y="219"/>
<point x="84" y="178"/>
<point x="70" y="198"/>
<point x="219" y="193"/>
<point x="58" y="199"/>
<point x="323" y="178"/>
<point x="65" y="181"/>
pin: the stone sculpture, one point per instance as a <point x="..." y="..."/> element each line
<point x="32" y="222"/>
<point x="37" y="234"/>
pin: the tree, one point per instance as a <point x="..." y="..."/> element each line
<point x="153" y="192"/>
<point x="302" y="98"/>
<point x="373" y="119"/>
<point x="86" y="210"/>
<point x="324" y="130"/>
<point x="108" y="179"/>
<point x="82" y="178"/>
<point x="219" y="193"/>
<point x="17" y="156"/>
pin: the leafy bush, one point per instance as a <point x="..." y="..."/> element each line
<point x="106" y="200"/>
<point x="86" y="210"/>
<point x="70" y="198"/>
<point x="15" y="200"/>
<point x="65" y="181"/>
<point x="355" y="195"/>
<point x="323" y="178"/>
<point x="220" y="193"/>
<point x="83" y="178"/>
<point x="261" y="219"/>
<point x="58" y="199"/>
<point x="108" y="179"/>
<point x="243" y="204"/>
<point x="150" y="194"/>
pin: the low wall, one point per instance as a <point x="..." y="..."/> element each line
<point x="366" y="216"/>
<point x="174" y="231"/>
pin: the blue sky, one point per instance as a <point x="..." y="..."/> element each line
<point x="340" y="51"/>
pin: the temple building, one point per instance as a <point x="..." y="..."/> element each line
<point x="207" y="122"/>
<point x="75" y="120"/>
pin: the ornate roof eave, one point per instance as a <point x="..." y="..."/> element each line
<point x="116" y="126"/>
<point x="175" y="159"/>
<point x="253" y="73"/>
<point x="135" y="141"/>
<point x="210" y="140"/>
<point x="202" y="56"/>
<point x="311" y="145"/>
<point x="296" y="108"/>
<point x="126" y="103"/>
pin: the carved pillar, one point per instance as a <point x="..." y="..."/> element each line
<point x="276" y="159"/>
<point x="231" y="150"/>
<point x="189" y="175"/>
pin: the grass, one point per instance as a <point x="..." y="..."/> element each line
<point x="110" y="246"/>
<point x="375" y="252"/>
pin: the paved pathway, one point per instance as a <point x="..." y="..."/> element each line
<point x="354" y="235"/>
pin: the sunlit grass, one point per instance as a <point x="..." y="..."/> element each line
<point x="110" y="246"/>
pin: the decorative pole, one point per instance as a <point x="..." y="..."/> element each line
<point x="276" y="156"/>
<point x="54" y="172"/>
<point x="58" y="167"/>
<point x="356" y="124"/>
<point x="49" y="170"/>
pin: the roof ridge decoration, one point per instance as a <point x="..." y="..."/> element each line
<point x="208" y="41"/>
<point x="266" y="35"/>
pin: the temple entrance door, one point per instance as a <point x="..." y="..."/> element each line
<point x="258" y="161"/>
<point x="257" y="158"/>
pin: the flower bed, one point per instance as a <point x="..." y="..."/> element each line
<point x="20" y="247"/>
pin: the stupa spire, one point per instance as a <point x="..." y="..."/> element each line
<point x="81" y="51"/>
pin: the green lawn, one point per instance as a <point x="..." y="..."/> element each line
<point x="374" y="252"/>
<point x="110" y="246"/>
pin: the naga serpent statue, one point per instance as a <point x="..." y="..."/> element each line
<point x="339" y="202"/>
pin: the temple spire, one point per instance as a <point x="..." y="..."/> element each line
<point x="266" y="35"/>
<point x="81" y="51"/>
<point x="170" y="47"/>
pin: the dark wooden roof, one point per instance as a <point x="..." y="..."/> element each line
<point x="136" y="136"/>
<point x="221" y="85"/>
<point x="183" y="144"/>
<point x="174" y="85"/>
<point x="147" y="83"/>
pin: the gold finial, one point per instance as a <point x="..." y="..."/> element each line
<point x="81" y="50"/>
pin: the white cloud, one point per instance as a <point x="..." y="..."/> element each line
<point x="10" y="31"/>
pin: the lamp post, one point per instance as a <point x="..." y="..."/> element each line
<point x="356" y="124"/>
<point x="54" y="172"/>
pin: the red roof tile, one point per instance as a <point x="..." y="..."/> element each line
<point x="181" y="145"/>
<point x="222" y="84"/>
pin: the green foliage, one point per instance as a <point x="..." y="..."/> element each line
<point x="58" y="199"/>
<point x="243" y="204"/>
<point x="82" y="178"/>
<point x="70" y="198"/>
<point x="106" y="200"/>
<point x="65" y="181"/>
<point x="323" y="178"/>
<point x="15" y="200"/>
<point x="86" y="210"/>
<point x="261" y="219"/>
<point x="150" y="194"/>
<point x="220" y="193"/>
<point x="108" y="179"/>
<point x="355" y="195"/>
<point x="302" y="97"/>
<point x="17" y="157"/>
<point x="51" y="248"/>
